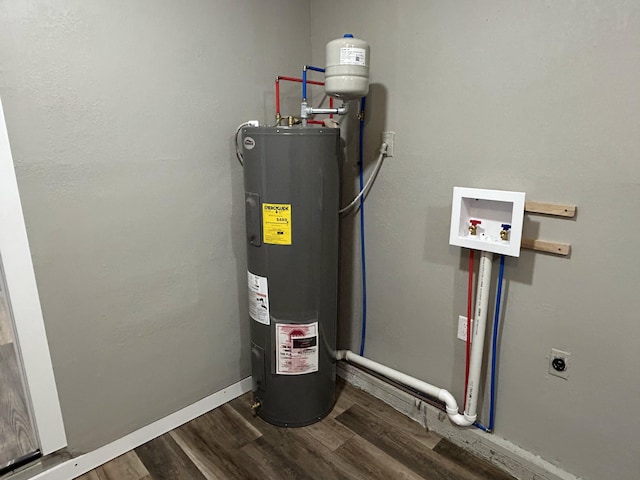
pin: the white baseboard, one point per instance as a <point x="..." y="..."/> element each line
<point x="518" y="462"/>
<point x="84" y="463"/>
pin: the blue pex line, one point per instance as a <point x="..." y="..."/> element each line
<point x="362" y="250"/>
<point x="481" y="427"/>
<point x="304" y="84"/>
<point x="494" y="345"/>
<point x="304" y="78"/>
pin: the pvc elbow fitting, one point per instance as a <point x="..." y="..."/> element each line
<point x="459" y="419"/>
<point x="470" y="418"/>
<point x="452" y="410"/>
<point x="341" y="354"/>
<point x="450" y="401"/>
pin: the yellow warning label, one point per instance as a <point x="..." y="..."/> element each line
<point x="276" y="223"/>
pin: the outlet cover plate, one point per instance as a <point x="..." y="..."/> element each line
<point x="462" y="328"/>
<point x="390" y="139"/>
<point x="566" y="356"/>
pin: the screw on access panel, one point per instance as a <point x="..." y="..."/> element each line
<point x="473" y="226"/>
<point x="504" y="233"/>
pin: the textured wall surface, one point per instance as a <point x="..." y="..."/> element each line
<point x="120" y="116"/>
<point x="540" y="97"/>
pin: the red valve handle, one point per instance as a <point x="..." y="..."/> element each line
<point x="475" y="222"/>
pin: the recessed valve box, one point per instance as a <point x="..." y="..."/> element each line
<point x="489" y="220"/>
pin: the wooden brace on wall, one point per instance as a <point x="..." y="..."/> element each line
<point x="557" y="248"/>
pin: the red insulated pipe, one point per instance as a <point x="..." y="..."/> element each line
<point x="299" y="80"/>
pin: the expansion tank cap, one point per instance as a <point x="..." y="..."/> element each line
<point x="348" y="35"/>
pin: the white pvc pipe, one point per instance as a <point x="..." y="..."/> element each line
<point x="477" y="348"/>
<point x="424" y="387"/>
<point x="479" y="327"/>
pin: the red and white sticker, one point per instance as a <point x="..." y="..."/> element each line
<point x="258" y="298"/>
<point x="297" y="348"/>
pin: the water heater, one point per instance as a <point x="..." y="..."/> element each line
<point x="291" y="180"/>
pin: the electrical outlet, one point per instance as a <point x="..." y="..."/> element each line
<point x="559" y="363"/>
<point x="462" y="328"/>
<point x="390" y="139"/>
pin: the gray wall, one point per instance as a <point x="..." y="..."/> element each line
<point x="540" y="97"/>
<point x="120" y="116"/>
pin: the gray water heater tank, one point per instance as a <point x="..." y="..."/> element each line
<point x="291" y="180"/>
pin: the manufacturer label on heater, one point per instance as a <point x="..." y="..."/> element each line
<point x="258" y="298"/>
<point x="297" y="348"/>
<point x="276" y="223"/>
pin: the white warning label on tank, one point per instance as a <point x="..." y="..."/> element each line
<point x="353" y="56"/>
<point x="258" y="298"/>
<point x="297" y="348"/>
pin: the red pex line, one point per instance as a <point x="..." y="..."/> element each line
<point x="299" y="80"/>
<point x="331" y="106"/>
<point x="469" y="296"/>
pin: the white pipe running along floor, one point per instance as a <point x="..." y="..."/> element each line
<point x="477" y="349"/>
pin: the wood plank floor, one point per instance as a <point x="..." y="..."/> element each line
<point x="6" y="330"/>
<point x="16" y="434"/>
<point x="362" y="438"/>
<point x="17" y="437"/>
